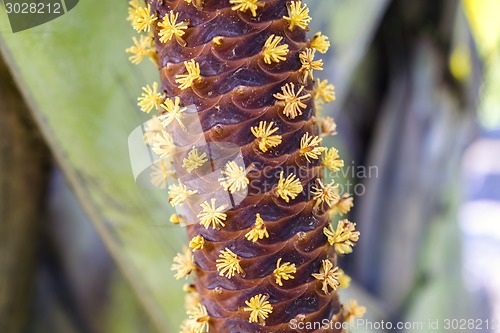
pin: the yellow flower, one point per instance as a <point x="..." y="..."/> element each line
<point x="353" y="310"/>
<point x="324" y="92"/>
<point x="177" y="194"/>
<point x="328" y="194"/>
<point x="197" y="243"/>
<point x="329" y="275"/>
<point x="174" y="111"/>
<point x="331" y="160"/>
<point x="291" y="101"/>
<point x="344" y="280"/>
<point x="199" y="318"/>
<point x="194" y="160"/>
<point x="133" y="6"/>
<point x="309" y="147"/>
<point x="228" y="264"/>
<point x="343" y="206"/>
<point x="150" y="98"/>
<point x="183" y="264"/>
<point x="288" y="188"/>
<point x="320" y="43"/>
<point x="284" y="271"/>
<point x="161" y="174"/>
<point x="170" y="27"/>
<point x="327" y="126"/>
<point x="344" y="237"/>
<point x="298" y="15"/>
<point x="193" y="75"/>
<point x="260" y="309"/>
<point x="274" y="52"/>
<point x="235" y="177"/>
<point x="144" y="47"/>
<point x="210" y="215"/>
<point x="309" y="64"/>
<point x="142" y="19"/>
<point x="176" y="219"/>
<point x="258" y="231"/>
<point x="244" y="5"/>
<point x="264" y="134"/>
<point x="163" y="144"/>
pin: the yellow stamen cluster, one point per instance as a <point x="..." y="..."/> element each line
<point x="272" y="52"/>
<point x="235" y="177"/>
<point x="197" y="243"/>
<point x="143" y="47"/>
<point x="194" y="160"/>
<point x="133" y="6"/>
<point x="329" y="275"/>
<point x="193" y="75"/>
<point x="309" y="147"/>
<point x="264" y="134"/>
<point x="259" y="308"/>
<point x="343" y="206"/>
<point x="284" y="271"/>
<point x="244" y="5"/>
<point x="353" y="310"/>
<point x="309" y="64"/>
<point x="163" y="144"/>
<point x="198" y="319"/>
<point x="327" y="126"/>
<point x="344" y="280"/>
<point x="320" y="43"/>
<point x="344" y="237"/>
<point x="142" y="19"/>
<point x="331" y="160"/>
<point x="161" y="174"/>
<point x="212" y="215"/>
<point x="228" y="264"/>
<point x="183" y="264"/>
<point x="291" y="101"/>
<point x="173" y="111"/>
<point x="288" y="188"/>
<point x="324" y="92"/>
<point x="177" y="194"/>
<point x="298" y="15"/>
<point x="328" y="194"/>
<point x="150" y="98"/>
<point x="258" y="231"/>
<point x="170" y="27"/>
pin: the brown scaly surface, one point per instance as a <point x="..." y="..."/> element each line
<point x="236" y="90"/>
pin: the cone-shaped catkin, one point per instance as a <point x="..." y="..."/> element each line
<point x="264" y="261"/>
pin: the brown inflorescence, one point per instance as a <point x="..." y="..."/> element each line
<point x="265" y="257"/>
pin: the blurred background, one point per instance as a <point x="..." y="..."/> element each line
<point x="83" y="248"/>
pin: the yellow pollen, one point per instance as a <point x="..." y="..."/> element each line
<point x="173" y="112"/>
<point x="144" y="47"/>
<point x="272" y="52"/>
<point x="228" y="264"/>
<point x="142" y="19"/>
<point x="258" y="231"/>
<point x="244" y="5"/>
<point x="264" y="134"/>
<point x="331" y="160"/>
<point x="309" y="147"/>
<point x="163" y="145"/>
<point x="284" y="271"/>
<point x="211" y="215"/>
<point x="327" y="126"/>
<point x="320" y="43"/>
<point x="328" y="194"/>
<point x="353" y="310"/>
<point x="186" y="81"/>
<point x="177" y="194"/>
<point x="170" y="27"/>
<point x="183" y="264"/>
<point x="324" y="92"/>
<point x="309" y="64"/>
<point x="235" y="177"/>
<point x="194" y="160"/>
<point x="150" y="98"/>
<point x="259" y="308"/>
<point x="197" y="243"/>
<point x="198" y="319"/>
<point x="344" y="237"/>
<point x="288" y="188"/>
<point x="291" y="101"/>
<point x="329" y="275"/>
<point x="298" y="15"/>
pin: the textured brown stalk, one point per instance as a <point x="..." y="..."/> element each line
<point x="234" y="94"/>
